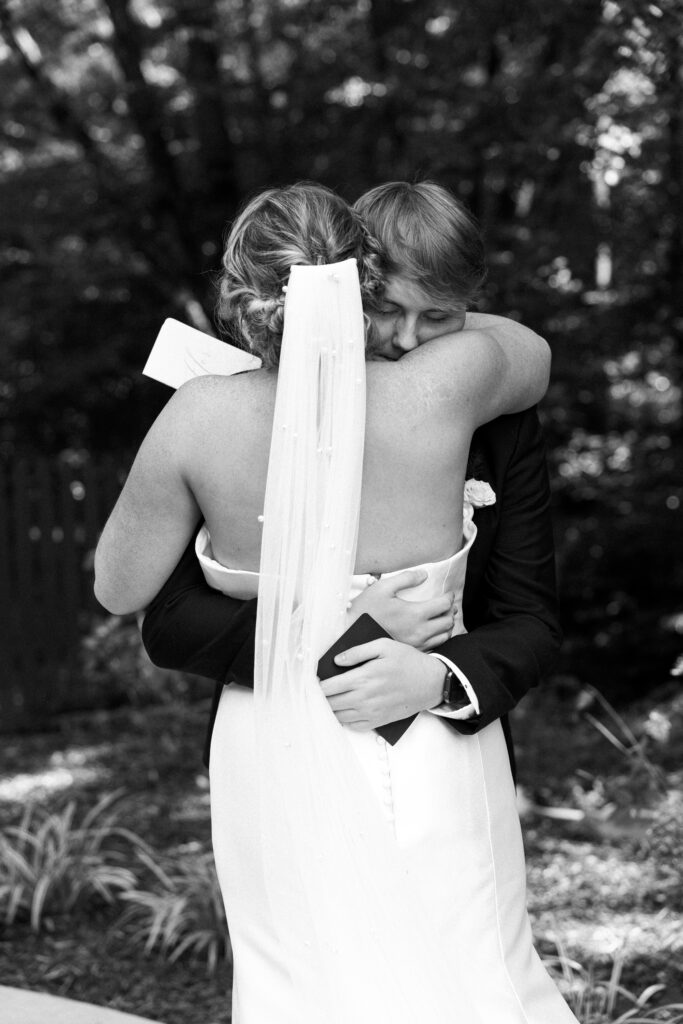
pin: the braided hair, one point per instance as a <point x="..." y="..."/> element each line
<point x="303" y="224"/>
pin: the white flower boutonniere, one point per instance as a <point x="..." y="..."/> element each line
<point x="479" y="493"/>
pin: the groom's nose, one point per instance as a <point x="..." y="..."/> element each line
<point x="405" y="336"/>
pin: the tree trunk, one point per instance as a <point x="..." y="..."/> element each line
<point x="171" y="204"/>
<point x="385" y="140"/>
<point x="216" y="152"/>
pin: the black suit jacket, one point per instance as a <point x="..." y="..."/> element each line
<point x="509" y="607"/>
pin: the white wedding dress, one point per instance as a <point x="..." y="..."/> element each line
<point x="450" y="801"/>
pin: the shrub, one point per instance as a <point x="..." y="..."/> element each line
<point x="184" y="916"/>
<point x="49" y="863"/>
<point x="114" y="660"/>
<point x="663" y="844"/>
<point x="607" y="1001"/>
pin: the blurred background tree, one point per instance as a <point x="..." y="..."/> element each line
<point x="133" y="129"/>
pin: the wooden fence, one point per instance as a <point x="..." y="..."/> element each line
<point x="51" y="512"/>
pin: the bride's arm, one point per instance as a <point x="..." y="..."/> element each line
<point x="491" y="367"/>
<point x="156" y="513"/>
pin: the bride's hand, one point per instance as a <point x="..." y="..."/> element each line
<point x="421" y="624"/>
<point x="385" y="681"/>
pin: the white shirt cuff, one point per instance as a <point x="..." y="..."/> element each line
<point x="470" y="709"/>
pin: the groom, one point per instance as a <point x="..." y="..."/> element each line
<point x="509" y="604"/>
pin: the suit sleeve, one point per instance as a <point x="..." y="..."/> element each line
<point x="518" y="638"/>
<point x="189" y="626"/>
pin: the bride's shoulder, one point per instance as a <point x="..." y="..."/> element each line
<point x="215" y="407"/>
<point x="226" y="395"/>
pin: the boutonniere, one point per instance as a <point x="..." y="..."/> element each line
<point x="479" y="493"/>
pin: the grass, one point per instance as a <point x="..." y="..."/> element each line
<point x="599" y="903"/>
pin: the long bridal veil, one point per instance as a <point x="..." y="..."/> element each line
<point x="354" y="934"/>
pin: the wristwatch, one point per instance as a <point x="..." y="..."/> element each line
<point x="453" y="695"/>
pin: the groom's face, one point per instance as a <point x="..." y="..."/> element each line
<point x="409" y="316"/>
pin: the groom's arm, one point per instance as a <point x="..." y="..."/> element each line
<point x="517" y="637"/>
<point x="190" y="627"/>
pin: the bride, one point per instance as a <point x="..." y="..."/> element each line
<point x="362" y="883"/>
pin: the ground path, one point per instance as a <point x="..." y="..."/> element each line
<point x="17" y="1006"/>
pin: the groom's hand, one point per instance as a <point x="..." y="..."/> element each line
<point x="386" y="681"/>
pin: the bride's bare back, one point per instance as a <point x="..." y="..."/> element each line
<point x="413" y="472"/>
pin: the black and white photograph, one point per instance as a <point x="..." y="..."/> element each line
<point x="341" y="540"/>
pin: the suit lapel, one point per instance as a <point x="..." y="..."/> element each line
<point x="486" y="520"/>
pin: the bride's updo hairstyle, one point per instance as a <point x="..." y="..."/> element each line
<point x="304" y="224"/>
<point x="427" y="236"/>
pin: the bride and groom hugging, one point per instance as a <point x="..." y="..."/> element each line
<point x="509" y="604"/>
<point x="363" y="880"/>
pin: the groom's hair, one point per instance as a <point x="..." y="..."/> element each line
<point x="427" y="236"/>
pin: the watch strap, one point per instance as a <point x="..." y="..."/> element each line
<point x="453" y="694"/>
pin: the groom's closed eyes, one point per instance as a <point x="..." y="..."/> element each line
<point x="408" y="316"/>
<point x="434" y="316"/>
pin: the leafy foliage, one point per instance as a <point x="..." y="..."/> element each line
<point x="184" y="915"/>
<point x="664" y="846"/>
<point x="113" y="659"/>
<point x="50" y="864"/>
<point x="597" y="1001"/>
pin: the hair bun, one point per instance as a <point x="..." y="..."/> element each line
<point x="262" y="319"/>
<point x="300" y="225"/>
